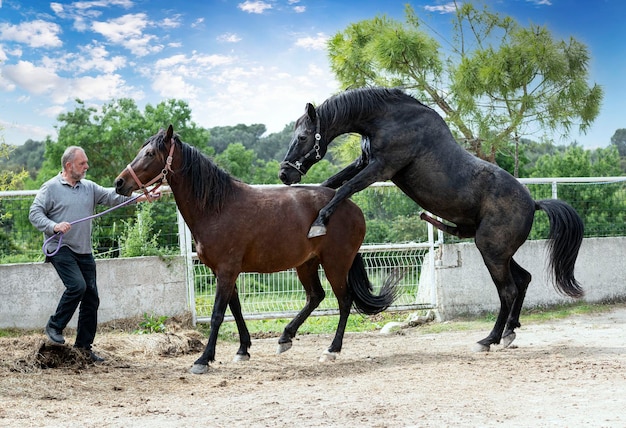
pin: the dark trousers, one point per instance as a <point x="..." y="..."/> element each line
<point x="78" y="273"/>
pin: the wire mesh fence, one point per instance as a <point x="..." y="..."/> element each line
<point x="280" y="294"/>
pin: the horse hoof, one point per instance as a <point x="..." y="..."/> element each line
<point x="508" y="339"/>
<point x="316" y="231"/>
<point x="479" y="347"/>
<point x="239" y="357"/>
<point x="199" y="369"/>
<point x="282" y="347"/>
<point x="328" y="356"/>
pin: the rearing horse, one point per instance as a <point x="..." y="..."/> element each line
<point x="409" y="143"/>
<point x="239" y="228"/>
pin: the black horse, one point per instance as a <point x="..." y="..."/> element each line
<point x="409" y="143"/>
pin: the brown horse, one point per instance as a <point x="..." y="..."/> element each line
<point x="239" y="228"/>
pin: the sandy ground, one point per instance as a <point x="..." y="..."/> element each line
<point x="563" y="373"/>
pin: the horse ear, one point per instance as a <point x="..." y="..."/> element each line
<point x="310" y="111"/>
<point x="170" y="133"/>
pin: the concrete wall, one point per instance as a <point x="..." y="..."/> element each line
<point x="463" y="285"/>
<point x="130" y="287"/>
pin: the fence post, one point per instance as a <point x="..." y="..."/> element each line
<point x="184" y="240"/>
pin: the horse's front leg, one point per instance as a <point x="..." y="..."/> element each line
<point x="222" y="297"/>
<point x="244" y="336"/>
<point x="345" y="174"/>
<point x="368" y="175"/>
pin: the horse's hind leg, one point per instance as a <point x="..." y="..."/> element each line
<point x="344" y="299"/>
<point x="309" y="277"/>
<point x="522" y="278"/>
<point x="244" y="336"/>
<point x="507" y="292"/>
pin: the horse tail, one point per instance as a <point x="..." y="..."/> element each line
<point x="564" y="240"/>
<point x="365" y="301"/>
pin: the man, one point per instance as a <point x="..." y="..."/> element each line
<point x="63" y="199"/>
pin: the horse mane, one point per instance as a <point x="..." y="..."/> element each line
<point x="210" y="185"/>
<point x="361" y="102"/>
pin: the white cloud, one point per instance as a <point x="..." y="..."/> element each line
<point x="96" y="57"/>
<point x="36" y="80"/>
<point x="197" y="23"/>
<point x="299" y="9"/>
<point x="173" y="86"/>
<point x="173" y="22"/>
<point x="127" y="31"/>
<point x="36" y="34"/>
<point x="254" y="6"/>
<point x="315" y="43"/>
<point x="192" y="65"/>
<point x="541" y="2"/>
<point x="44" y="81"/>
<point x="53" y="111"/>
<point x="57" y="8"/>
<point x="443" y="8"/>
<point x="229" y="38"/>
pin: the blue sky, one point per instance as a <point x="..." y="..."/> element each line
<point x="240" y="61"/>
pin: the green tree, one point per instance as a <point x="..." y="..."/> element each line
<point x="493" y="83"/>
<point x="246" y="135"/>
<point x="10" y="180"/>
<point x="619" y="141"/>
<point x="601" y="206"/>
<point x="112" y="135"/>
<point x="238" y="161"/>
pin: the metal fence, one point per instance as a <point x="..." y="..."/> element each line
<point x="395" y="238"/>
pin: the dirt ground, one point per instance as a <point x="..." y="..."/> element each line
<point x="565" y="373"/>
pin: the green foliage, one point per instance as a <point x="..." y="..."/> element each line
<point x="151" y="324"/>
<point x="114" y="131"/>
<point x="10" y="180"/>
<point x="140" y="239"/>
<point x="497" y="81"/>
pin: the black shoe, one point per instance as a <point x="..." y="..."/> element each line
<point x="54" y="335"/>
<point x="95" y="357"/>
<point x="91" y="355"/>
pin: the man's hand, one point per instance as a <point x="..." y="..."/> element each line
<point x="62" y="227"/>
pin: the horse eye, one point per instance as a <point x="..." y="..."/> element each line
<point x="302" y="138"/>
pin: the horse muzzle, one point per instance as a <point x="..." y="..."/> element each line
<point x="289" y="174"/>
<point x="122" y="188"/>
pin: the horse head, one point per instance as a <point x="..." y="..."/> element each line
<point x="150" y="166"/>
<point x="306" y="147"/>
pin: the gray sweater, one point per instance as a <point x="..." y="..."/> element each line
<point x="57" y="201"/>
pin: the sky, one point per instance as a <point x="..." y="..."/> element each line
<point x="241" y="61"/>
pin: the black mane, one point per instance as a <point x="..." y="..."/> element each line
<point x="360" y="103"/>
<point x="211" y="185"/>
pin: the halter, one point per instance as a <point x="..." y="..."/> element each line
<point x="316" y="148"/>
<point x="162" y="175"/>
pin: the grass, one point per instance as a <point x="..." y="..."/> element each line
<point x="361" y="323"/>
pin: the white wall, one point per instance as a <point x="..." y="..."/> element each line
<point x="129" y="287"/>
<point x="463" y="285"/>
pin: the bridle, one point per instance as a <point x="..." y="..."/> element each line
<point x="160" y="177"/>
<point x="297" y="165"/>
